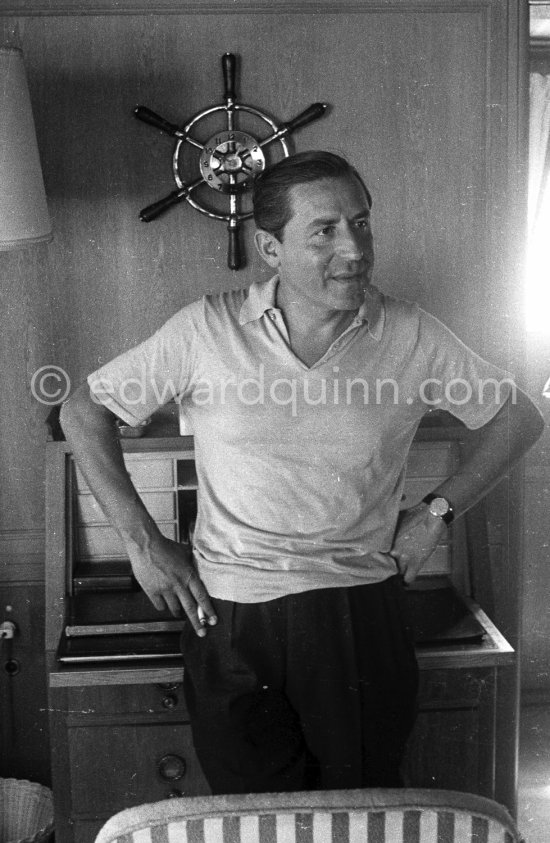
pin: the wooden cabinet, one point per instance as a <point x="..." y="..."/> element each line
<point x="115" y="746"/>
<point x="120" y="730"/>
<point x="120" y="744"/>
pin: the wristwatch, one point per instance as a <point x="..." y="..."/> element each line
<point x="440" y="507"/>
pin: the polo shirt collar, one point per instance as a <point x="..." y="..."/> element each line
<point x="262" y="297"/>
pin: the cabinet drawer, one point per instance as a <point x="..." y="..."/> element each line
<point x="98" y="542"/>
<point x="116" y="700"/>
<point x="146" y="763"/>
<point x="439" y="563"/>
<point x="146" y="471"/>
<point x="416" y="488"/>
<point x="454" y="688"/>
<point x="161" y="506"/>
<point x="151" y="473"/>
<point x="431" y="459"/>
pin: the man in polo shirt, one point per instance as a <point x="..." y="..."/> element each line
<point x="305" y="392"/>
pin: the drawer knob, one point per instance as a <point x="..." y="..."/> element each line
<point x="170" y="701"/>
<point x="172" y="768"/>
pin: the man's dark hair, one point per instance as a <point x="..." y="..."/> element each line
<point x="271" y="193"/>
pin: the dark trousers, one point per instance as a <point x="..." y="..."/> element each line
<point x="313" y="690"/>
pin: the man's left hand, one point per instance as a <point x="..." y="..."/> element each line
<point x="416" y="537"/>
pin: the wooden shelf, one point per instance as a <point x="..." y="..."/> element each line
<point x="494" y="651"/>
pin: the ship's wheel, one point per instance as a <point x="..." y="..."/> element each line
<point x="228" y="160"/>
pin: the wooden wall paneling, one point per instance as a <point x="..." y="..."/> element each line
<point x="508" y="192"/>
<point x="396" y="107"/>
<point x="32" y="8"/>
<point x="26" y="344"/>
<point x="21" y="556"/>
<point x="425" y="100"/>
<point x="535" y="663"/>
<point x="24" y="731"/>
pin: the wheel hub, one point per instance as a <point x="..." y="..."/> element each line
<point x="230" y="161"/>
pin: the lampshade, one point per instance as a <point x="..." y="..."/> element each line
<point x="24" y="217"/>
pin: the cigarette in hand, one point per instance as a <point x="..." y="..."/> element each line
<point x="201" y="616"/>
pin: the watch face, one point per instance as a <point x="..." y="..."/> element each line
<point x="439" y="506"/>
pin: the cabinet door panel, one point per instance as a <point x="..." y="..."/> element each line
<point x="452" y="760"/>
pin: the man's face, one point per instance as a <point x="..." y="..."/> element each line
<point x="326" y="257"/>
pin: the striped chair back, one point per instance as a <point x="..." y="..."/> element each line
<point x="343" y="816"/>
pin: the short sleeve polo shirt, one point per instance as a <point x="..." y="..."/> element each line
<point x="300" y="468"/>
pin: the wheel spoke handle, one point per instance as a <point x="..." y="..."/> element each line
<point x="151" y="212"/>
<point x="233" y="246"/>
<point x="311" y="113"/>
<point x="229" y="64"/>
<point x="147" y="116"/>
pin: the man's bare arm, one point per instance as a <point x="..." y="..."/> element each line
<point x="500" y="443"/>
<point x="163" y="568"/>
